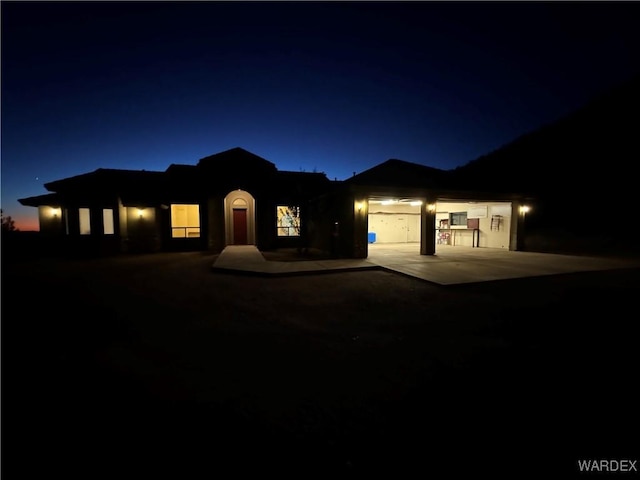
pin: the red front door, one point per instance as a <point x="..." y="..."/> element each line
<point x="239" y="226"/>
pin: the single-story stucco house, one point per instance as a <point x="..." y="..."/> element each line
<point x="238" y="198"/>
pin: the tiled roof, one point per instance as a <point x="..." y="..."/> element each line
<point x="399" y="173"/>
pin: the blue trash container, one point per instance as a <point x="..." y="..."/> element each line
<point x="372" y="237"/>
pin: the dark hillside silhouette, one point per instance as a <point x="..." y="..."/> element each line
<point x="580" y="169"/>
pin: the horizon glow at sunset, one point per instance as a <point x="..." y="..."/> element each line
<point x="331" y="87"/>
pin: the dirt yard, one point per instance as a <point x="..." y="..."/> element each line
<point x="153" y="366"/>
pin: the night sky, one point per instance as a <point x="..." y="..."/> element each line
<point x="334" y="87"/>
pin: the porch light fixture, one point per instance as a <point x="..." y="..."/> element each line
<point x="359" y="206"/>
<point x="431" y="207"/>
<point x="55" y="212"/>
<point x="140" y="212"/>
<point x="524" y="209"/>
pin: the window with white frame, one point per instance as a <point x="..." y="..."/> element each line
<point x="458" y="219"/>
<point x="107" y="221"/>
<point x="288" y="221"/>
<point x="185" y="221"/>
<point x="84" y="215"/>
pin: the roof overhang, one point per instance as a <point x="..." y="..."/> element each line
<point x="49" y="199"/>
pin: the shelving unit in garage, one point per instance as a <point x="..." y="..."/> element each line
<point x="496" y="223"/>
<point x="444" y="233"/>
<point x="447" y="235"/>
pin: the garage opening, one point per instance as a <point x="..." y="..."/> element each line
<point x="394" y="221"/>
<point x="473" y="224"/>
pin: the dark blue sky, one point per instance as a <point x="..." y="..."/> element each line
<point x="337" y="87"/>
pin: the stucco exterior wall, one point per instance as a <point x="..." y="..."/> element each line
<point x="51" y="220"/>
<point x="143" y="229"/>
<point x="215" y="224"/>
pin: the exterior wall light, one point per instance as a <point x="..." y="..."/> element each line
<point x="55" y="212"/>
<point x="431" y="207"/>
<point x="524" y="209"/>
<point x="140" y="212"/>
<point x="359" y="206"/>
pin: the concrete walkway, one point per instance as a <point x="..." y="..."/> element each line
<point x="248" y="259"/>
<point x="450" y="265"/>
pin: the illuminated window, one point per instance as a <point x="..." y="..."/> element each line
<point x="185" y="221"/>
<point x="288" y="221"/>
<point x="85" y="221"/>
<point x="107" y="221"/>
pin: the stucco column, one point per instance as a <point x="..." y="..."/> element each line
<point x="122" y="228"/>
<point x="428" y="226"/>
<point x="518" y="215"/>
<point x="360" y="226"/>
<point x="215" y="224"/>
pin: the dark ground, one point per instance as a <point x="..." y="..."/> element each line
<point x="153" y="366"/>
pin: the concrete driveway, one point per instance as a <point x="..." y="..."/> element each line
<point x="152" y="366"/>
<point x="457" y="264"/>
<point x="451" y="265"/>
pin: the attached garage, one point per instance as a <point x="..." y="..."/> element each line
<point x="402" y="205"/>
<point x="457" y="222"/>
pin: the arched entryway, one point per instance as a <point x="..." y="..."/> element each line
<point x="240" y="218"/>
